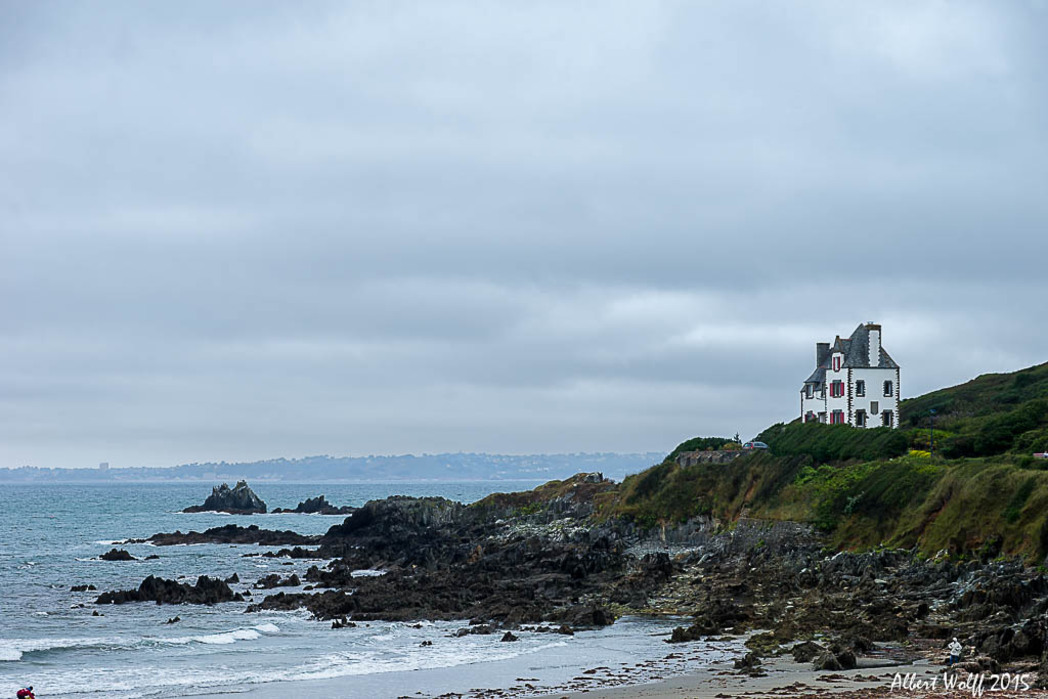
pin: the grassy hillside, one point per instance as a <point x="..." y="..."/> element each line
<point x="992" y="414"/>
<point x="982" y="494"/>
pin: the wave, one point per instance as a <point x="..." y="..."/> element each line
<point x="13" y="649"/>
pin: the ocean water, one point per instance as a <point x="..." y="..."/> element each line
<point x="52" y="535"/>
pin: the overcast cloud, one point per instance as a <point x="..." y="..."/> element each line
<point x="250" y="230"/>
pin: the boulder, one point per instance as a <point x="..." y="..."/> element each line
<point x="702" y="627"/>
<point x="835" y="659"/>
<point x="239" y="500"/>
<point x="806" y="651"/>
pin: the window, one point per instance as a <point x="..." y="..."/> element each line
<point x="822" y="418"/>
<point x="860" y="418"/>
<point x="860" y="388"/>
<point x="807" y="390"/>
<point x="886" y="418"/>
<point x="875" y="407"/>
<point x="887" y="388"/>
<point x="836" y="389"/>
<point x="836" y="362"/>
<point x="837" y="417"/>
<point x="810" y="417"/>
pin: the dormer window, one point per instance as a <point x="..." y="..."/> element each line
<point x="836" y="361"/>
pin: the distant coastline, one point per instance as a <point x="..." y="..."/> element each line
<point x="374" y="469"/>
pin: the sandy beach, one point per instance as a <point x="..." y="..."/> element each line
<point x="875" y="677"/>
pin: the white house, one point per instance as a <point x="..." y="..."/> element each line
<point x="855" y="382"/>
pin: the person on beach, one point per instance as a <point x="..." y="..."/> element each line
<point x="955" y="649"/>
<point x="26" y="693"/>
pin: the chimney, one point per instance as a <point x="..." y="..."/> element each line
<point x="874" y="332"/>
<point x="822" y="353"/>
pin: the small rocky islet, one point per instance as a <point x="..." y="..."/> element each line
<point x="548" y="560"/>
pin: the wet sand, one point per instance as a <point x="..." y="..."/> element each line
<point x="720" y="680"/>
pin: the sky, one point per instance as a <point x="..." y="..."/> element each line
<point x="246" y="230"/>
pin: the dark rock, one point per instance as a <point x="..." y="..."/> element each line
<point x="152" y="557"/>
<point x="826" y="661"/>
<point x="162" y="591"/>
<point x="82" y="588"/>
<point x="343" y="623"/>
<point x="239" y="500"/>
<point x="586" y="616"/>
<point x="274" y="580"/>
<point x="693" y="633"/>
<point x="173" y="620"/>
<point x="508" y="637"/>
<point x="318" y="505"/>
<point x="232" y="579"/>
<point x="233" y="534"/>
<point x="806" y="651"/>
<point x="117" y="555"/>
<point x="750" y="660"/>
<point x="835" y="659"/>
<point x="297" y="552"/>
<point x="426" y="643"/>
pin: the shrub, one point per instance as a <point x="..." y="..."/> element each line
<point x="702" y="444"/>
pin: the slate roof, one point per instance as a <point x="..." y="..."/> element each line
<point x="856" y="351"/>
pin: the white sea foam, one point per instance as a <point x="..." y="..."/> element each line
<point x="366" y="573"/>
<point x="10" y="655"/>
<point x="225" y="638"/>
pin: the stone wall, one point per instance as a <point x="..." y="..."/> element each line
<point x="691" y="458"/>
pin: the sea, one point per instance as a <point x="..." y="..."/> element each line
<point x="64" y="645"/>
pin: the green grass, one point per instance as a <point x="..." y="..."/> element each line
<point x="992" y="414"/>
<point x="834" y="443"/>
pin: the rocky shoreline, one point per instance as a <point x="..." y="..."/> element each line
<point x="529" y="563"/>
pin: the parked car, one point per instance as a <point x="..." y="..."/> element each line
<point x="750" y="446"/>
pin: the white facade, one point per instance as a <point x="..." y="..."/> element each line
<point x="855" y="382"/>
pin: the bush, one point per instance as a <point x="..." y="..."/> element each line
<point x="702" y="444"/>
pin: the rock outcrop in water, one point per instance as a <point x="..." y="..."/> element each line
<point x="318" y="506"/>
<point x="116" y="554"/>
<point x="232" y="534"/>
<point x="162" y="591"/>
<point x="239" y="500"/>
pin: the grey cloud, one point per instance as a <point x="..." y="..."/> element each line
<point x="253" y="229"/>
